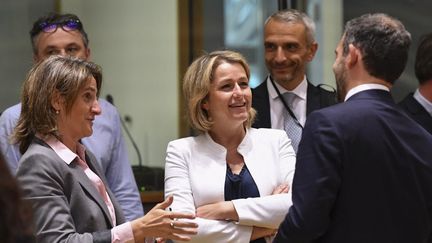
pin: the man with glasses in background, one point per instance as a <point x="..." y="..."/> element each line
<point x="63" y="34"/>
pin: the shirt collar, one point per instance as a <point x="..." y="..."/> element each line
<point x="363" y="87"/>
<point x="423" y="101"/>
<point x="62" y="151"/>
<point x="300" y="91"/>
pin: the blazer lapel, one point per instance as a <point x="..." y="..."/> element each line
<point x="88" y="186"/>
<point x="313" y="98"/>
<point x="418" y="113"/>
<point x="260" y="102"/>
<point x="414" y="107"/>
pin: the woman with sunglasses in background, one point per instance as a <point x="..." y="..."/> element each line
<point x="59" y="177"/>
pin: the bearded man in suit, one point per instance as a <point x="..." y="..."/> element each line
<point x="364" y="168"/>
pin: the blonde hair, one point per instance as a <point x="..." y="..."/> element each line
<point x="196" y="86"/>
<point x="54" y="75"/>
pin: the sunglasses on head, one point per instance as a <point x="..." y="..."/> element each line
<point x="66" y="25"/>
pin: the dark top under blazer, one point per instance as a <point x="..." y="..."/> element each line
<point x="363" y="174"/>
<point x="316" y="98"/>
<point x="417" y="112"/>
<point x="66" y="205"/>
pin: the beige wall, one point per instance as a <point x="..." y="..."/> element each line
<point x="135" y="42"/>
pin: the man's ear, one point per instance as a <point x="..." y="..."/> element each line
<point x="352" y="56"/>
<point x="312" y="51"/>
<point x="35" y="58"/>
<point x="88" y="52"/>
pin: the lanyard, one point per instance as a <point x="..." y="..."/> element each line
<point x="291" y="113"/>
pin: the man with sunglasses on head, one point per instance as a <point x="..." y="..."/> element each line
<point x="63" y="34"/>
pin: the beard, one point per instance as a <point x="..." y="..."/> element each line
<point x="283" y="79"/>
<point x="288" y="77"/>
<point x="340" y="76"/>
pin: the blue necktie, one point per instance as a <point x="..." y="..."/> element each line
<point x="291" y="127"/>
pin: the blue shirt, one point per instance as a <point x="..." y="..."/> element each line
<point x="106" y="143"/>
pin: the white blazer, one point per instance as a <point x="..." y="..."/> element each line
<point x="195" y="173"/>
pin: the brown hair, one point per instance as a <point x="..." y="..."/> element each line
<point x="54" y="75"/>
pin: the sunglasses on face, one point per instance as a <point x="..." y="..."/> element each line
<point x="66" y="25"/>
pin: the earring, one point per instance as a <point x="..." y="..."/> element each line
<point x="57" y="112"/>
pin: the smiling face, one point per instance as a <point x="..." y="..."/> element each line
<point x="229" y="98"/>
<point x="287" y="52"/>
<point x="78" y="122"/>
<point x="60" y="42"/>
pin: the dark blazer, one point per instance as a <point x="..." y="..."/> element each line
<point x="363" y="174"/>
<point x="66" y="205"/>
<point x="417" y="112"/>
<point x="317" y="98"/>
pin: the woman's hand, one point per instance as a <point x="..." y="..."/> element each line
<point x="283" y="188"/>
<point x="219" y="211"/>
<point x="161" y="223"/>
<point x="259" y="232"/>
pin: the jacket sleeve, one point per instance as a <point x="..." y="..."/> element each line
<point x="11" y="154"/>
<point x="269" y="210"/>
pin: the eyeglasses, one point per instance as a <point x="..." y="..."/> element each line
<point x="66" y="25"/>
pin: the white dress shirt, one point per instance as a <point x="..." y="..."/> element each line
<point x="423" y="101"/>
<point x="363" y="87"/>
<point x="298" y="106"/>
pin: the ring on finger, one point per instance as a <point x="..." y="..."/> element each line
<point x="172" y="224"/>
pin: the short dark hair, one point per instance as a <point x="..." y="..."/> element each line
<point x="423" y="61"/>
<point x="294" y="16"/>
<point x="383" y="41"/>
<point x="55" y="18"/>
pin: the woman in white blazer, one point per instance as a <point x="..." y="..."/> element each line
<point x="234" y="177"/>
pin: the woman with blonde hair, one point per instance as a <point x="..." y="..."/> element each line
<point x="236" y="178"/>
<point x="59" y="177"/>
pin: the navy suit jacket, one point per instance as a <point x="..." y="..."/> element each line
<point x="363" y="174"/>
<point x="417" y="112"/>
<point x="317" y="98"/>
